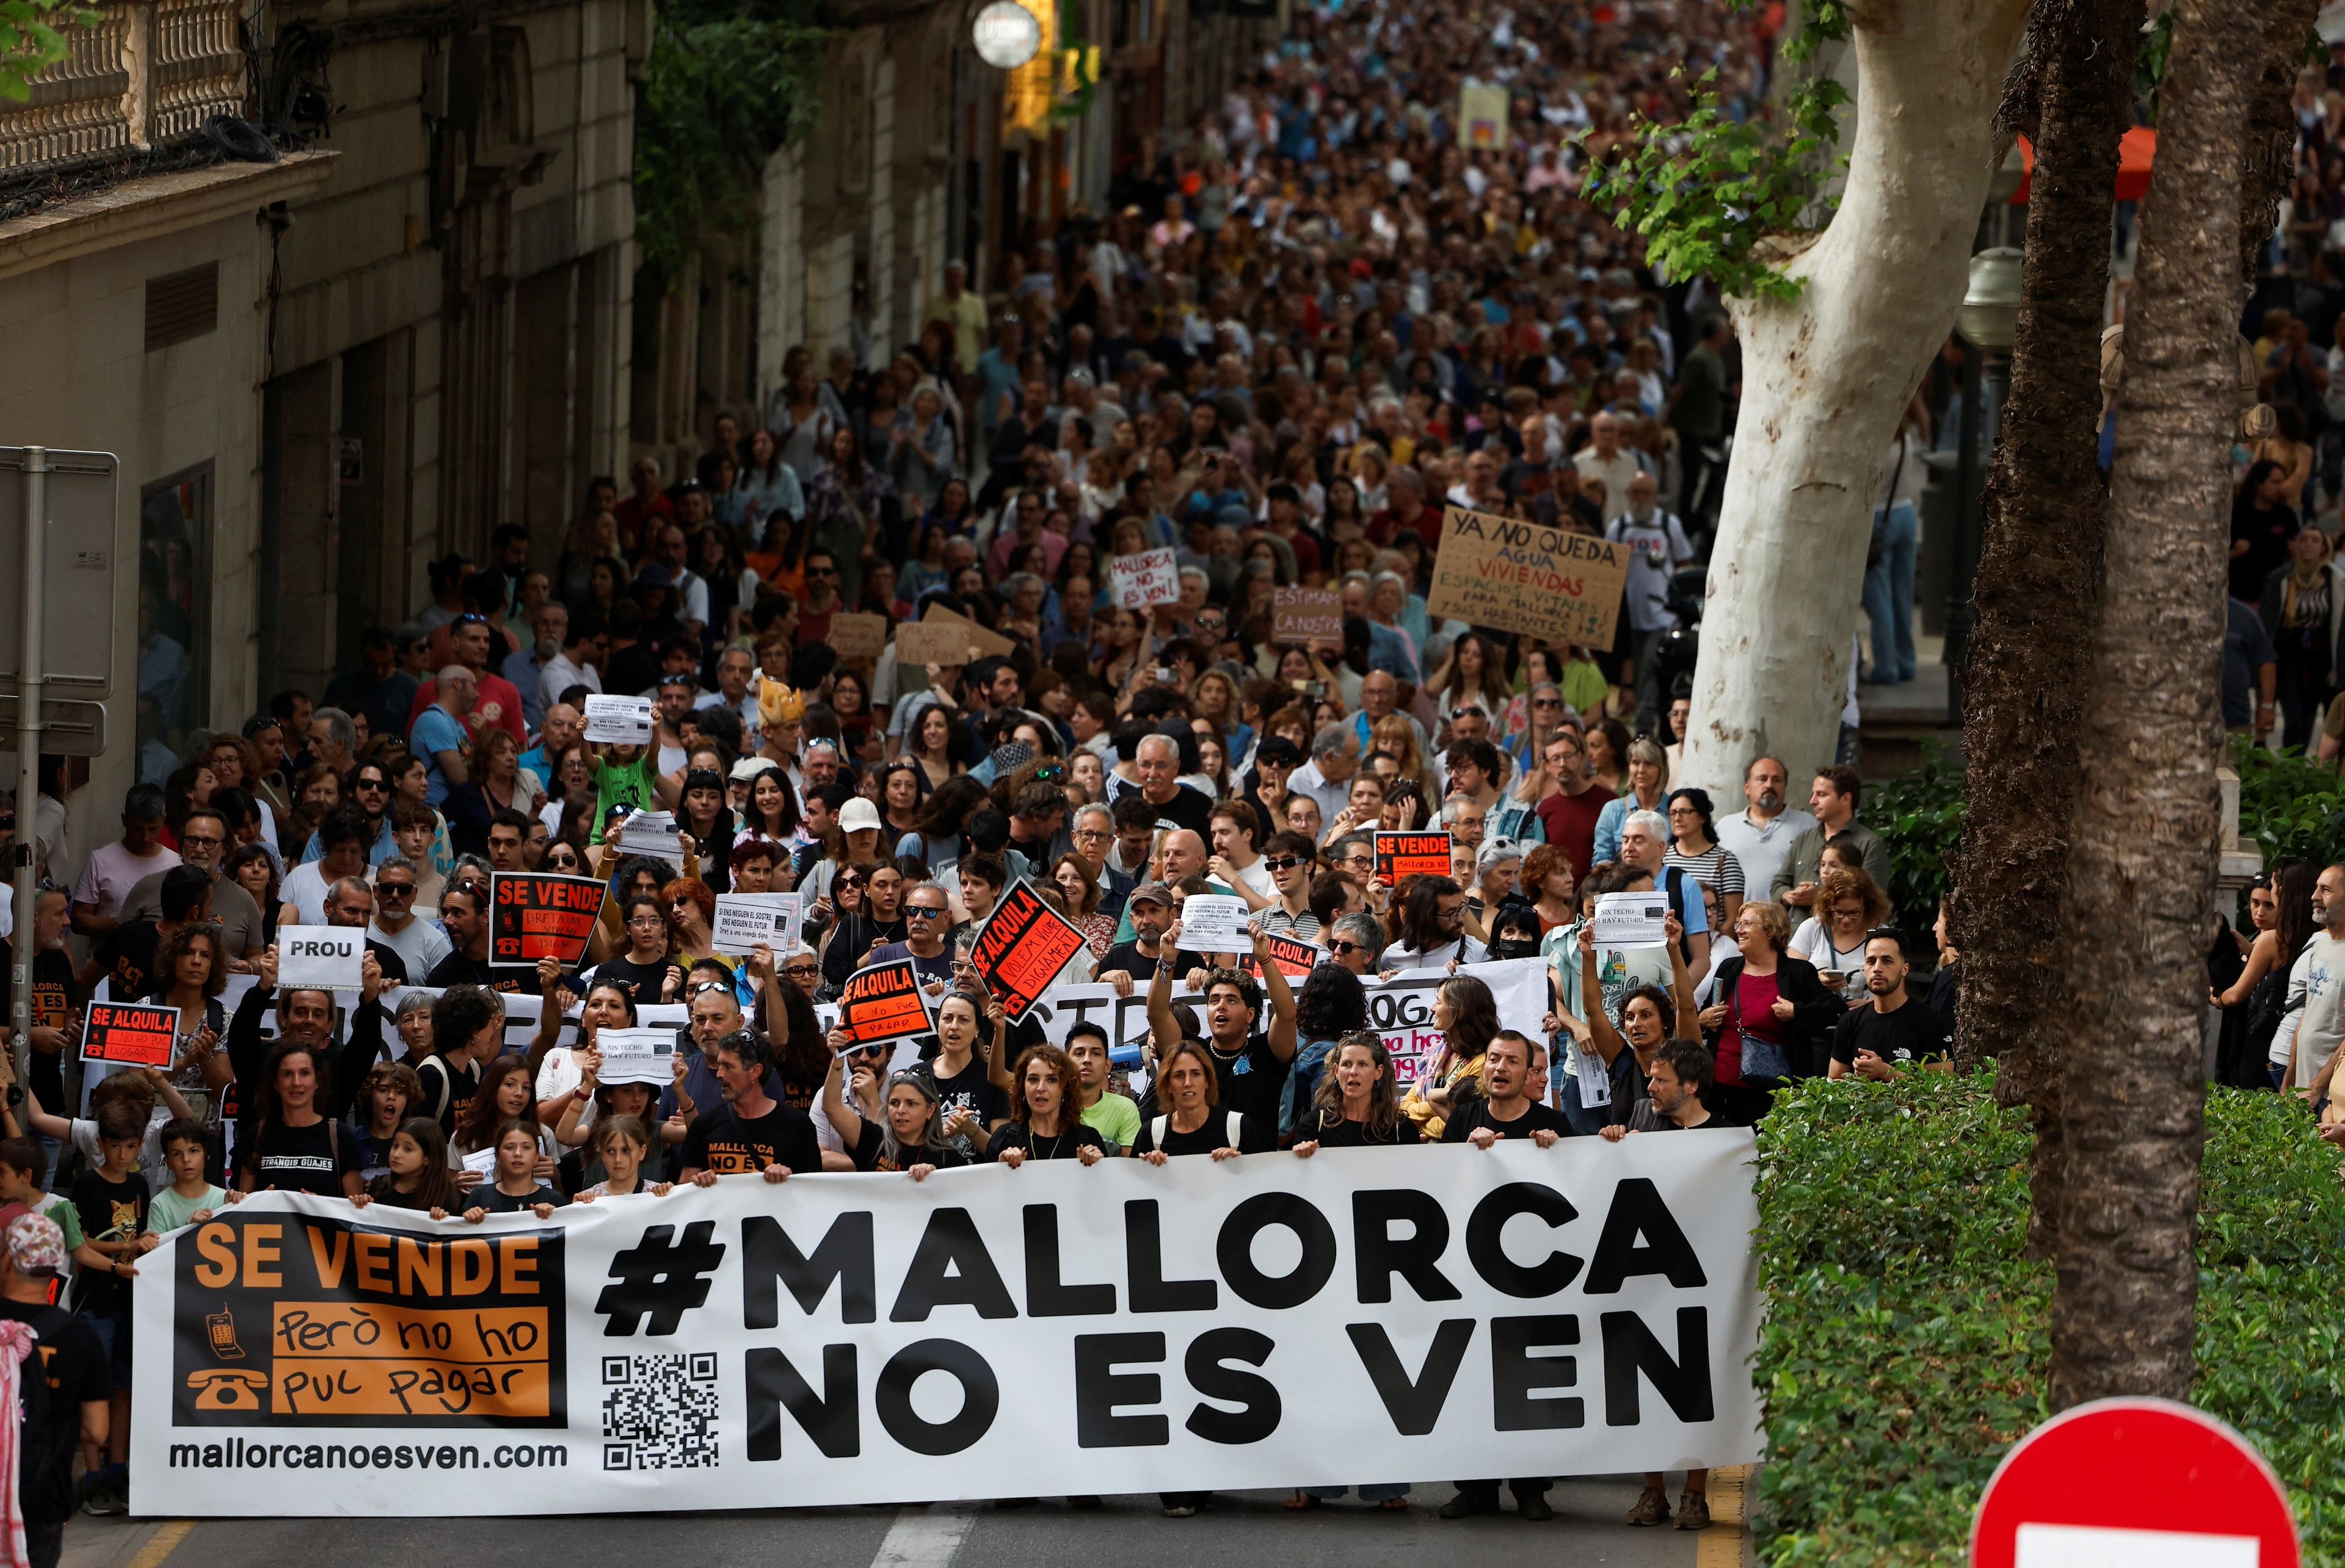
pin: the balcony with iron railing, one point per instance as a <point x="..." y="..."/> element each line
<point x="147" y="72"/>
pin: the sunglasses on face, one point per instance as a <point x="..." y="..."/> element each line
<point x="1284" y="862"/>
<point x="1343" y="949"/>
<point x="366" y="786"/>
<point x="702" y="988"/>
<point x="799" y="971"/>
<point x="394" y="889"/>
<point x="920" y="912"/>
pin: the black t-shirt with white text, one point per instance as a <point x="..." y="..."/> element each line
<point x="1912" y="1034"/>
<point x="310" y="1158"/>
<point x="729" y="1143"/>
<point x="970" y="1088"/>
<point x="490" y="1197"/>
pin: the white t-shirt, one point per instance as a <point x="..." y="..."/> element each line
<point x="1813" y="942"/>
<point x="1466" y="950"/>
<point x="113" y="871"/>
<point x="2307" y="1037"/>
<point x="421" y="946"/>
<point x="305" y="889"/>
<point x="1258" y="877"/>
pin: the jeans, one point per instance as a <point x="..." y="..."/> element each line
<point x="1889" y="593"/>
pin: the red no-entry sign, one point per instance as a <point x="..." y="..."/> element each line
<point x="2134" y="1483"/>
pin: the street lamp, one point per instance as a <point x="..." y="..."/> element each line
<point x="1006" y="34"/>
<point x="1988" y="321"/>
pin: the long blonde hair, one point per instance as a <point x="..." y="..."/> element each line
<point x="1394" y="733"/>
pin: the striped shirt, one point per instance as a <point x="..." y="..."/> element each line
<point x="1715" y="868"/>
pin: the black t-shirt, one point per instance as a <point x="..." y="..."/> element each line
<point x="387" y="959"/>
<point x="440" y="1077"/>
<point x="1330" y="1130"/>
<point x="1057" y="1145"/>
<point x="1645" y="1118"/>
<point x="1912" y="1034"/>
<point x="55" y="993"/>
<point x="869" y="1152"/>
<point x="970" y="1088"/>
<point x="725" y="1142"/>
<point x="460" y="969"/>
<point x="486" y="1196"/>
<point x="643" y="980"/>
<point x="1254" y="1135"/>
<point x="1190" y="807"/>
<point x="116" y="1207"/>
<point x="310" y="1158"/>
<point x="127" y="957"/>
<point x="1128" y="958"/>
<point x="1251" y="1080"/>
<point x="79" y="1374"/>
<point x="374" y="1153"/>
<point x="1476" y="1113"/>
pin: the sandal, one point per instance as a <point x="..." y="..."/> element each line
<point x="1394" y="1506"/>
<point x="1301" y="1501"/>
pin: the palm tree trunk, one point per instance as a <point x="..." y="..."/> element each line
<point x="2039" y="578"/>
<point x="2144" y="833"/>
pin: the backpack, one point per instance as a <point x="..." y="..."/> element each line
<point x="1230" y="1122"/>
<point x="45" y="1455"/>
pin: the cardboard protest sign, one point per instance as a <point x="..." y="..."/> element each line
<point x="922" y="643"/>
<point x="536" y="914"/>
<point x="858" y="636"/>
<point x="1400" y="855"/>
<point x="1023" y="946"/>
<point x="1312" y="617"/>
<point x="1295" y="958"/>
<point x="130" y="1034"/>
<point x="1214" y="923"/>
<point x="636" y="1056"/>
<point x="618" y="721"/>
<point x="1522" y="577"/>
<point x="988" y="644"/>
<point x="1482" y="118"/>
<point x="746" y="919"/>
<point x="884" y="1003"/>
<point x="1150" y="577"/>
<point x="323" y="958"/>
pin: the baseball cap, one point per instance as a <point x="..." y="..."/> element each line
<point x="36" y="1245"/>
<point x="1151" y="892"/>
<point x="859" y="815"/>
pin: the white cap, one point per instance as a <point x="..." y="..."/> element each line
<point x="859" y="815"/>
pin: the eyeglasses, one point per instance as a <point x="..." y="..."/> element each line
<point x="394" y="889"/>
<point x="187" y="840"/>
<point x="921" y="912"/>
<point x="1343" y="949"/>
<point x="1545" y="702"/>
<point x="1093" y="833"/>
<point x="1283" y="862"/>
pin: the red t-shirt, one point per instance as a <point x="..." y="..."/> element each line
<point x="1571" y="821"/>
<point x="1752" y="1010"/>
<point x="499" y="707"/>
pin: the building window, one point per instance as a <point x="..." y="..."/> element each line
<point x="175" y="538"/>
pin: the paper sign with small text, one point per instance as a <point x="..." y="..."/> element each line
<point x="618" y="721"/>
<point x="636" y="1056"/>
<point x="745" y="920"/>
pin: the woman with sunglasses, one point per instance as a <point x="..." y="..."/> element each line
<point x="907" y="1135"/>
<point x="691" y="913"/>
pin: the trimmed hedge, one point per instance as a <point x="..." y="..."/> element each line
<point x="1906" y="1341"/>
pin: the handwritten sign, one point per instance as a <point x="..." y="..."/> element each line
<point x="1023" y="946"/>
<point x="884" y="1003"/>
<point x="1310" y="617"/>
<point x="1150" y="577"/>
<point x="938" y="643"/>
<point x="1402" y="854"/>
<point x="636" y="1056"/>
<point x="130" y="1034"/>
<point x="746" y="919"/>
<point x="1522" y="577"/>
<point x="858" y="636"/>
<point x="618" y="721"/>
<point x="321" y="958"/>
<point x="536" y="914"/>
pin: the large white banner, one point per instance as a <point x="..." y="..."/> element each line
<point x="1399" y="1009"/>
<point x="1365" y="1315"/>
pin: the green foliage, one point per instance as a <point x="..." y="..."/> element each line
<point x="30" y="42"/>
<point x="723" y="90"/>
<point x="1919" y="815"/>
<point x="2287" y="804"/>
<point x="1907" y="1339"/>
<point x="1704" y="192"/>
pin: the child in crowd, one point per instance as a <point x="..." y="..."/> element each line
<point x="191" y="1196"/>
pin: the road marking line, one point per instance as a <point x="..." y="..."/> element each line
<point x="1721" y="1546"/>
<point x="162" y="1543"/>
<point x="921" y="1537"/>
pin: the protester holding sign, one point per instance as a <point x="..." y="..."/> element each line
<point x="913" y="1137"/>
<point x="751" y="1131"/>
<point x="1250" y="1066"/>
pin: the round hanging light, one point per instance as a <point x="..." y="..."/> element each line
<point x="1006" y="34"/>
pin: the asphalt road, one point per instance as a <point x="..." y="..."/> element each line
<point x="1241" y="1528"/>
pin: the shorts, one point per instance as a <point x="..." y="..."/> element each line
<point x="114" y="1333"/>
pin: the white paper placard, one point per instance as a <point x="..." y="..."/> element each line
<point x="1631" y="919"/>
<point x="619" y="721"/>
<point x="1594" y="1080"/>
<point x="1150" y="577"/>
<point x="636" y="1056"/>
<point x="481" y="1162"/>
<point x="663" y="1015"/>
<point x="1215" y="923"/>
<point x="746" y="919"/>
<point x="332" y="958"/>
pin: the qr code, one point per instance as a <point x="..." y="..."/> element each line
<point x="659" y="1412"/>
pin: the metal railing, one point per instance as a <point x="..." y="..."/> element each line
<point x="148" y="71"/>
